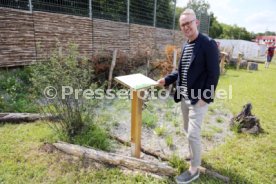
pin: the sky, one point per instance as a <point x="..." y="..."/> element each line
<point x="255" y="15"/>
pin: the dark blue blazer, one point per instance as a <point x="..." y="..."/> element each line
<point x="203" y="73"/>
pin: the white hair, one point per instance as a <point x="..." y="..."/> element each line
<point x="188" y="12"/>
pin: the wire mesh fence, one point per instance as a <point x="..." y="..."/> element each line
<point x="17" y="4"/>
<point x="72" y="7"/>
<point x="157" y="13"/>
<point x="115" y="10"/>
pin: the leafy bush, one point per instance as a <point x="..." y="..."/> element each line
<point x="15" y="90"/>
<point x="71" y="70"/>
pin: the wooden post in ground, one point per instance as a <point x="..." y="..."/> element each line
<point x="113" y="63"/>
<point x="136" y="123"/>
<point x="239" y="61"/>
<point x="248" y="65"/>
<point x="174" y="66"/>
<point x="148" y="62"/>
<point x="137" y="83"/>
<point x="222" y="62"/>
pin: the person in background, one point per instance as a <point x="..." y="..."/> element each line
<point x="196" y="80"/>
<point x="270" y="54"/>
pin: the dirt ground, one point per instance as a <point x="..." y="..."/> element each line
<point x="172" y="140"/>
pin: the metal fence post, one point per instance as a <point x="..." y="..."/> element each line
<point x="128" y="5"/>
<point x="174" y="14"/>
<point x="30" y="6"/>
<point x="90" y="9"/>
<point x="154" y="16"/>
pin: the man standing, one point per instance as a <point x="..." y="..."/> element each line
<point x="196" y="80"/>
<point x="270" y="54"/>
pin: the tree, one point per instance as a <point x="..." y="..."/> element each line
<point x="178" y="11"/>
<point x="235" y="32"/>
<point x="215" y="27"/>
<point x="199" y="6"/>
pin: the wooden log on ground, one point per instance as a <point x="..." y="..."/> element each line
<point x="115" y="159"/>
<point x="24" y="117"/>
<point x="163" y="157"/>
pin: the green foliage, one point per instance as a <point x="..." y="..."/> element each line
<point x="266" y="33"/>
<point x="170" y="103"/>
<point x="235" y="32"/>
<point x="66" y="72"/>
<point x="207" y="134"/>
<point x="216" y="129"/>
<point x="175" y="123"/>
<point x="219" y="119"/>
<point x="178" y="163"/>
<point x="93" y="136"/>
<point x="15" y="90"/>
<point x="160" y="131"/>
<point x="215" y="27"/>
<point x="169" y="141"/>
<point x="149" y="119"/>
<point x="199" y="6"/>
<point x="169" y="116"/>
<point x="178" y="11"/>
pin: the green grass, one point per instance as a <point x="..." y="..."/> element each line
<point x="170" y="103"/>
<point x="160" y="131"/>
<point x="149" y="119"/>
<point x="219" y="120"/>
<point x="247" y="158"/>
<point x="169" y="116"/>
<point x="215" y="129"/>
<point x="207" y="134"/>
<point x="243" y="158"/>
<point x="169" y="141"/>
<point x="22" y="160"/>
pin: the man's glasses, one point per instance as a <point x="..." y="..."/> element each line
<point x="187" y="23"/>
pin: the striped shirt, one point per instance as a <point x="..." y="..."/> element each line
<point x="185" y="64"/>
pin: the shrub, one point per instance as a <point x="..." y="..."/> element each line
<point x="15" y="91"/>
<point x="66" y="69"/>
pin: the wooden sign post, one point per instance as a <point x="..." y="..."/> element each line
<point x="137" y="83"/>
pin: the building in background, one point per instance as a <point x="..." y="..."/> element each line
<point x="265" y="40"/>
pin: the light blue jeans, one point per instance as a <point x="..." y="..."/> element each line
<point x="192" y="117"/>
